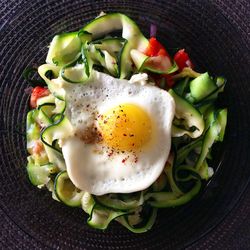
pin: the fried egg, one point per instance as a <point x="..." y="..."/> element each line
<point x="122" y="134"/>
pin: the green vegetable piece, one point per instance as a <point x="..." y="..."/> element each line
<point x="188" y="116"/>
<point x="211" y="136"/>
<point x="168" y="199"/>
<point x="100" y="216"/>
<point x="105" y="24"/>
<point x="222" y="120"/>
<point x="87" y="202"/>
<point x="159" y="65"/>
<point x="204" y="171"/>
<point x="143" y="226"/>
<point x="113" y="202"/>
<point x="32" y="128"/>
<point x="65" y="190"/>
<point x="184" y="151"/>
<point x="40" y="174"/>
<point x="112" y="45"/>
<point x="54" y="88"/>
<point x="84" y="36"/>
<point x="64" y="49"/>
<point x="74" y="73"/>
<point x="156" y="64"/>
<point x="181" y="86"/>
<point x="202" y="86"/>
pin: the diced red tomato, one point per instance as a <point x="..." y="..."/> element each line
<point x="169" y="80"/>
<point x="155" y="48"/>
<point x="37" y="93"/>
<point x="164" y="81"/>
<point x="38" y="147"/>
<point x="182" y="59"/>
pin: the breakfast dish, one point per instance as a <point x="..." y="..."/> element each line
<point x="119" y="127"/>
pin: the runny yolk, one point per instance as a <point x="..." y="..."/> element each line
<point x="126" y="127"/>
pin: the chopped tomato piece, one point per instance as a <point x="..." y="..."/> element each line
<point x="37" y="93"/>
<point x="38" y="147"/>
<point x="163" y="81"/>
<point x="162" y="52"/>
<point x="169" y="80"/>
<point x="182" y="59"/>
<point x="155" y="48"/>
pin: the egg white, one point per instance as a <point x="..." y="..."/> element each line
<point x="91" y="166"/>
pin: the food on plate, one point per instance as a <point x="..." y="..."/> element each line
<point x="119" y="126"/>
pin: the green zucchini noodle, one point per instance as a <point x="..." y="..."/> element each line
<point x="197" y="125"/>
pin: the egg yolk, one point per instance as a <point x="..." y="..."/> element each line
<point x="126" y="127"/>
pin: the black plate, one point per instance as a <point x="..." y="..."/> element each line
<point x="215" y="33"/>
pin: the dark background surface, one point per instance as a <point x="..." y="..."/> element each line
<point x="216" y="33"/>
<point x="232" y="233"/>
